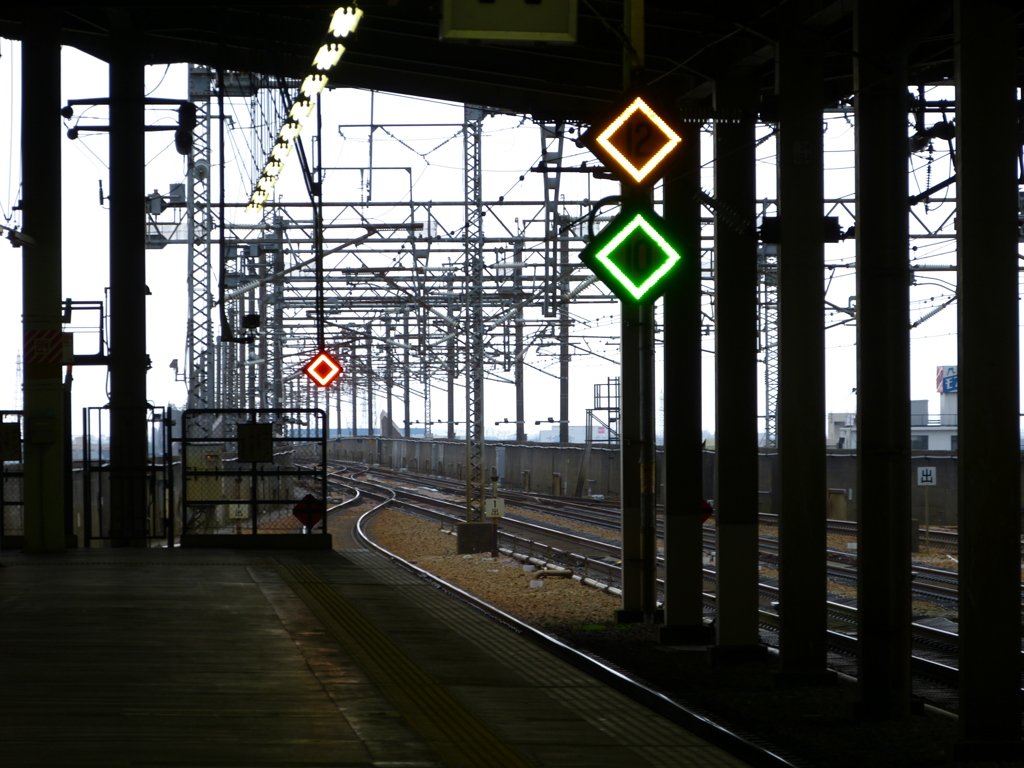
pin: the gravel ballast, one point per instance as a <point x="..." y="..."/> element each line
<point x="501" y="581"/>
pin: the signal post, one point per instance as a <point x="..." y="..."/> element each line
<point x="634" y="257"/>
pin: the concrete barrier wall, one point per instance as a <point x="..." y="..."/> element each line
<point x="537" y="467"/>
<point x="534" y="466"/>
<point x="541" y="468"/>
<point x="841" y="474"/>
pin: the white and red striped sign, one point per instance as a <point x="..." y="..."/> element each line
<point x="44" y="347"/>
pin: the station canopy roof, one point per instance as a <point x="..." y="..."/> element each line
<point x="399" y="48"/>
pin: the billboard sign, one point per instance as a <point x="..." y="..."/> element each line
<point x="946" y="379"/>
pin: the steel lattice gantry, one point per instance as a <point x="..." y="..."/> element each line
<point x="200" y="344"/>
<point x="474" y="315"/>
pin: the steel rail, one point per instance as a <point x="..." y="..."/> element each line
<point x="745" y="746"/>
<point x="926" y="638"/>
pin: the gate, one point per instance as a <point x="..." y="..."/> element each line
<point x="244" y="469"/>
<point x="95" y="482"/>
<point x="12" y="476"/>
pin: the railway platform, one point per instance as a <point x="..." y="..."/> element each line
<point x="218" y="657"/>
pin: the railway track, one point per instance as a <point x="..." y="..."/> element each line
<point x="932" y="585"/>
<point x="935" y="642"/>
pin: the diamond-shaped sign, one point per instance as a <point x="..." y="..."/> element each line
<point x="634" y="143"/>
<point x="323" y="369"/>
<point x="632" y="256"/>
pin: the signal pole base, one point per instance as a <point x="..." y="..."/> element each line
<point x="473" y="538"/>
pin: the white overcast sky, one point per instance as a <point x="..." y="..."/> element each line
<point x="512" y="146"/>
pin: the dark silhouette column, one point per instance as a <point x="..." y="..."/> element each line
<point x="883" y="365"/>
<point x="630" y="437"/>
<point x="41" y="282"/>
<point x="683" y="542"/>
<point x="989" y="365"/>
<point x="128" y="359"/>
<point x="736" y="372"/>
<point x="802" y="488"/>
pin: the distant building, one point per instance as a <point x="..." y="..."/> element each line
<point x="927" y="432"/>
<point x="839" y="424"/>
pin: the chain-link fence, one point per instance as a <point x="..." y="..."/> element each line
<point x="244" y="470"/>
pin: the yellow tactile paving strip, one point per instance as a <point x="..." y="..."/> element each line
<point x="458" y="736"/>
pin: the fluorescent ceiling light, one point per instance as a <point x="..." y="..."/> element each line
<point x="345" y="21"/>
<point x="289" y="131"/>
<point x="281" y="150"/>
<point x="328" y="55"/>
<point x="301" y="109"/>
<point x="313" y="85"/>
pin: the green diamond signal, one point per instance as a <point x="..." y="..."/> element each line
<point x="632" y="256"/>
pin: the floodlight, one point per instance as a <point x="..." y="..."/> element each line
<point x="345" y="21"/>
<point x="273" y="168"/>
<point x="266" y="183"/>
<point x="253" y="208"/>
<point x="328" y="55"/>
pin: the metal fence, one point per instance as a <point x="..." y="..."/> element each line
<point x="244" y="469"/>
<point x="12" y="476"/>
<point x="94" y="503"/>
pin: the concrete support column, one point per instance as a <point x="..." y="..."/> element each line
<point x="989" y="399"/>
<point x="369" y="385"/>
<point x="630" y="452"/>
<point x="389" y="381"/>
<point x="648" y="472"/>
<point x="128" y="359"/>
<point x="564" y="322"/>
<point x="355" y="396"/>
<point x="406" y="395"/>
<point x="802" y="489"/>
<point x="736" y="374"/>
<point x="683" y="542"/>
<point x="41" y="283"/>
<point x="451" y="366"/>
<point x="883" y="365"/>
<point x="518" y="366"/>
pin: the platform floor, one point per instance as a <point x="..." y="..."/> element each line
<point x="206" y="658"/>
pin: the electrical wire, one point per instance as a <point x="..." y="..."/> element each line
<point x="167" y="68"/>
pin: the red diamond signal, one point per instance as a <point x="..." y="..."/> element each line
<point x="323" y="369"/>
